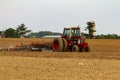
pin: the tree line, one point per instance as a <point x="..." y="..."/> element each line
<point x="42" y="34"/>
<point x="22" y="31"/>
<point x="108" y="36"/>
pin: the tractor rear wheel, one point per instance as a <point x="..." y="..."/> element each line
<point x="87" y="49"/>
<point x="75" y="48"/>
<point x="58" y="45"/>
<point x="64" y="44"/>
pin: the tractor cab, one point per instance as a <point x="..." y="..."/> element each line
<point x="71" y="33"/>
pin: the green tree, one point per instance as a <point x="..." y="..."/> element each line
<point x="11" y="33"/>
<point x="91" y="29"/>
<point x="22" y="30"/>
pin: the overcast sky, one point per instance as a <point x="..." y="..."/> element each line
<point x="54" y="15"/>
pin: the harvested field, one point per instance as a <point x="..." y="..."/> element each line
<point x="96" y="45"/>
<point x="102" y="63"/>
<point x="33" y="68"/>
<point x="104" y="45"/>
<point x="11" y="42"/>
<point x="75" y="55"/>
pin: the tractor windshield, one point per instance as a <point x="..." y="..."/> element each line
<point x="75" y="32"/>
<point x="67" y="32"/>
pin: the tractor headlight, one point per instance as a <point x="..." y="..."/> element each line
<point x="79" y="41"/>
<point x="83" y="39"/>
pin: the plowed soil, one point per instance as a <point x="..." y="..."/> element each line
<point x="102" y="63"/>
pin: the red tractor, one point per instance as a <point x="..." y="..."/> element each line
<point x="71" y="40"/>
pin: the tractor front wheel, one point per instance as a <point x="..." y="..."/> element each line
<point x="75" y="48"/>
<point x="87" y="49"/>
<point x="82" y="49"/>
